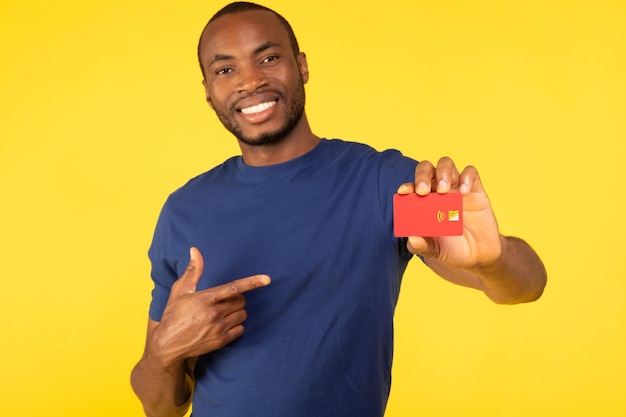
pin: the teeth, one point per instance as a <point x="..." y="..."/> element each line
<point x="258" y="108"/>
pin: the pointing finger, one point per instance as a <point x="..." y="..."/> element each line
<point x="239" y="286"/>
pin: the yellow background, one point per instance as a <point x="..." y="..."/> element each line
<point x="102" y="115"/>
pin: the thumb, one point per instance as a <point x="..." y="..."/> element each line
<point x="419" y="246"/>
<point x="406" y="188"/>
<point x="189" y="280"/>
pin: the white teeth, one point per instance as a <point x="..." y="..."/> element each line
<point x="258" y="108"/>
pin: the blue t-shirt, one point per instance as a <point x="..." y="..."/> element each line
<point x="318" y="340"/>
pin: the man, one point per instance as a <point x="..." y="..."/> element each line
<point x="308" y="223"/>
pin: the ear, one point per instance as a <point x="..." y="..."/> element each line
<point x="206" y="92"/>
<point x="303" y="66"/>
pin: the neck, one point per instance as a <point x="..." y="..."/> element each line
<point x="300" y="141"/>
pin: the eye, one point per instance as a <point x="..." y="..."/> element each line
<point x="223" y="71"/>
<point x="270" y="58"/>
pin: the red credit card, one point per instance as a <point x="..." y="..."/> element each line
<point x="430" y="215"/>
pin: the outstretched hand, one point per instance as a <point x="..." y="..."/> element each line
<point x="480" y="243"/>
<point x="197" y="322"/>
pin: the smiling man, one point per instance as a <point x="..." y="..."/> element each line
<point x="303" y="226"/>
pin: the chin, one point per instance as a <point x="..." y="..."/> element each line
<point x="262" y="140"/>
<point x="268" y="138"/>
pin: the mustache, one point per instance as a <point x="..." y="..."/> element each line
<point x="233" y="106"/>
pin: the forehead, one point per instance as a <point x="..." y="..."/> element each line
<point x="242" y="32"/>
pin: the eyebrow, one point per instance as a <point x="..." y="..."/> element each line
<point x="220" y="57"/>
<point x="265" y="46"/>
<point x="259" y="49"/>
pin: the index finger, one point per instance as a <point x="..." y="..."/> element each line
<point x="425" y="176"/>
<point x="238" y="286"/>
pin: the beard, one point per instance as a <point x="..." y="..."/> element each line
<point x="295" y="110"/>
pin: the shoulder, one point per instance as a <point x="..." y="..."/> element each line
<point x="345" y="146"/>
<point x="358" y="148"/>
<point x="382" y="160"/>
<point x="203" y="183"/>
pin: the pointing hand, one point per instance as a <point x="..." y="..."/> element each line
<point x="197" y="322"/>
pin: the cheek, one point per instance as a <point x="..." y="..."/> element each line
<point x="216" y="97"/>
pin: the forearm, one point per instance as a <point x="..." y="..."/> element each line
<point x="516" y="276"/>
<point x="163" y="391"/>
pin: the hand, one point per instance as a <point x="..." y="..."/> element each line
<point x="197" y="322"/>
<point x="480" y="243"/>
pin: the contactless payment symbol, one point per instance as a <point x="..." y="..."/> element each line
<point x="440" y="216"/>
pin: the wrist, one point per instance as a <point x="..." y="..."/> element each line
<point x="160" y="354"/>
<point x="495" y="263"/>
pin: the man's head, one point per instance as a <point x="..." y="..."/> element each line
<point x="254" y="74"/>
<point x="242" y="6"/>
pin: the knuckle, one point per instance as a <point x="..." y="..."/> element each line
<point x="435" y="249"/>
<point x="189" y="269"/>
<point x="445" y="160"/>
<point x="232" y="288"/>
<point x="471" y="169"/>
<point x="424" y="166"/>
<point x="211" y="316"/>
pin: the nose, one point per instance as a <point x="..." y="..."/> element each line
<point x="251" y="78"/>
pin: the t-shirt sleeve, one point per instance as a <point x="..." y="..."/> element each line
<point x="163" y="273"/>
<point x="394" y="169"/>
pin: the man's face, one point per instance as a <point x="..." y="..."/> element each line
<point x="253" y="81"/>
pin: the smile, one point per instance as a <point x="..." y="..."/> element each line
<point x="258" y="108"/>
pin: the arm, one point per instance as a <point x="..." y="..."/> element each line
<point x="506" y="269"/>
<point x="517" y="276"/>
<point x="164" y="389"/>
<point x="193" y="323"/>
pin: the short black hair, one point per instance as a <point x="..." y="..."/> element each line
<point x="242" y="6"/>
